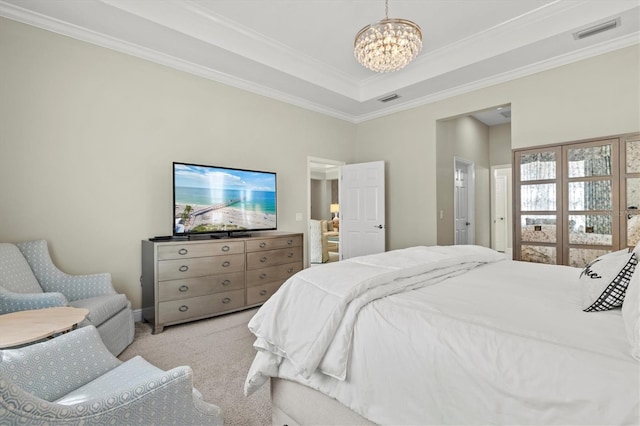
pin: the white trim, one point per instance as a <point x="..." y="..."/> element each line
<point x="558" y="61"/>
<point x="137" y="315"/>
<point x="17" y="13"/>
<point x="310" y="160"/>
<point x="471" y="202"/>
<point x="509" y="212"/>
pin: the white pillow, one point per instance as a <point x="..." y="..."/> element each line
<point x="631" y="314"/>
<point x="604" y="281"/>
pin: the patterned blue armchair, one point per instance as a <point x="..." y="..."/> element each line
<point x="73" y="379"/>
<point x="30" y="280"/>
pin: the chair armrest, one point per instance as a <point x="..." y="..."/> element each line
<point x="51" y="279"/>
<point x="77" y="287"/>
<point x="166" y="398"/>
<point x="15" y="302"/>
<point x="81" y="348"/>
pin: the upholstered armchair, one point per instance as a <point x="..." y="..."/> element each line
<point x="317" y="246"/>
<point x="73" y="379"/>
<point x="320" y="246"/>
<point x="30" y="280"/>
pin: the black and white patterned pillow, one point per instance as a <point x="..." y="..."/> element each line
<point x="605" y="280"/>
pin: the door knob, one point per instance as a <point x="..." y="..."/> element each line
<point x="378" y="226"/>
<point x="468" y="223"/>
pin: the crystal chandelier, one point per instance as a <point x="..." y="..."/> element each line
<point x="388" y="45"/>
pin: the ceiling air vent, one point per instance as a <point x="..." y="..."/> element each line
<point x="597" y="29"/>
<point x="392" y="97"/>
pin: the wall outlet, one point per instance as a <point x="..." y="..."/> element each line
<point x="298" y="217"/>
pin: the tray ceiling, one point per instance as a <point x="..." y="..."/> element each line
<point x="301" y="51"/>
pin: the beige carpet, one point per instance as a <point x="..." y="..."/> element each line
<point x="219" y="350"/>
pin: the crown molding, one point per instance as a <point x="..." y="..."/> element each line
<point x="194" y="20"/>
<point x="575" y="56"/>
<point x="16" y="13"/>
<point x="50" y="24"/>
<point x="515" y="33"/>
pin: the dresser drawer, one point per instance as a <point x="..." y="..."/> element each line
<point x="273" y="273"/>
<point x="185" y="309"/>
<point x="191" y="280"/>
<point x="200" y="286"/>
<point x="262" y="259"/>
<point x="182" y="251"/>
<point x="199" y="266"/>
<point x="274" y="243"/>
<point x="260" y="294"/>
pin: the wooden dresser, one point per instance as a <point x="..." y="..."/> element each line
<point x="189" y="280"/>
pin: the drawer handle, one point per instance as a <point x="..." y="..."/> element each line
<point x="290" y="270"/>
<point x="226" y="248"/>
<point x="263" y="259"/>
<point x="263" y="292"/>
<point x="226" y="263"/>
<point x="226" y="282"/>
<point x="262" y="276"/>
<point x="289" y="242"/>
<point x="263" y="244"/>
<point x="226" y="300"/>
<point x="290" y="254"/>
<point x="183" y="268"/>
<point x="183" y="251"/>
<point x="183" y="308"/>
<point x="183" y="288"/>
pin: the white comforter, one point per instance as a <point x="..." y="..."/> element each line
<point x="310" y="320"/>
<point x="505" y="343"/>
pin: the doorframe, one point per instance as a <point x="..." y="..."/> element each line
<point x="509" y="212"/>
<point x="326" y="161"/>
<point x="471" y="195"/>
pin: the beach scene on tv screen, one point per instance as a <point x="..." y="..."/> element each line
<point x="209" y="199"/>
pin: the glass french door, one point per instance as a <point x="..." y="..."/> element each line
<point x="574" y="202"/>
<point x="631" y="194"/>
<point x="590" y="205"/>
<point x="538" y="198"/>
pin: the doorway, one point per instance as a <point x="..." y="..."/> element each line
<point x="483" y="138"/>
<point x="323" y="210"/>
<point x="501" y="208"/>
<point x="464" y="201"/>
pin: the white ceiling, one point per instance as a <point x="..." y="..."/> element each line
<point x="301" y="51"/>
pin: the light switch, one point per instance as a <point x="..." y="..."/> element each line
<point x="298" y="217"/>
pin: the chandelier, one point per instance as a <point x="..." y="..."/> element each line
<point x="388" y="45"/>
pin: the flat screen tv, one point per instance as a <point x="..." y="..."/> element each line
<point x="220" y="200"/>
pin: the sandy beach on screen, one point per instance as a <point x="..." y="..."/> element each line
<point x="229" y="218"/>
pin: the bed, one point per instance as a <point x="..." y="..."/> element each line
<point x="449" y="335"/>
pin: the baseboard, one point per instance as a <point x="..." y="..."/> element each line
<point x="137" y="315"/>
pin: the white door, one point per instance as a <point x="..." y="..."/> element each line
<point x="463" y="202"/>
<point x="501" y="208"/>
<point x="500" y="213"/>
<point x="362" y="213"/>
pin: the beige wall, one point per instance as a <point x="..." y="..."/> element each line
<point x="595" y="97"/>
<point x="468" y="139"/>
<point x="500" y="144"/>
<point x="87" y="137"/>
